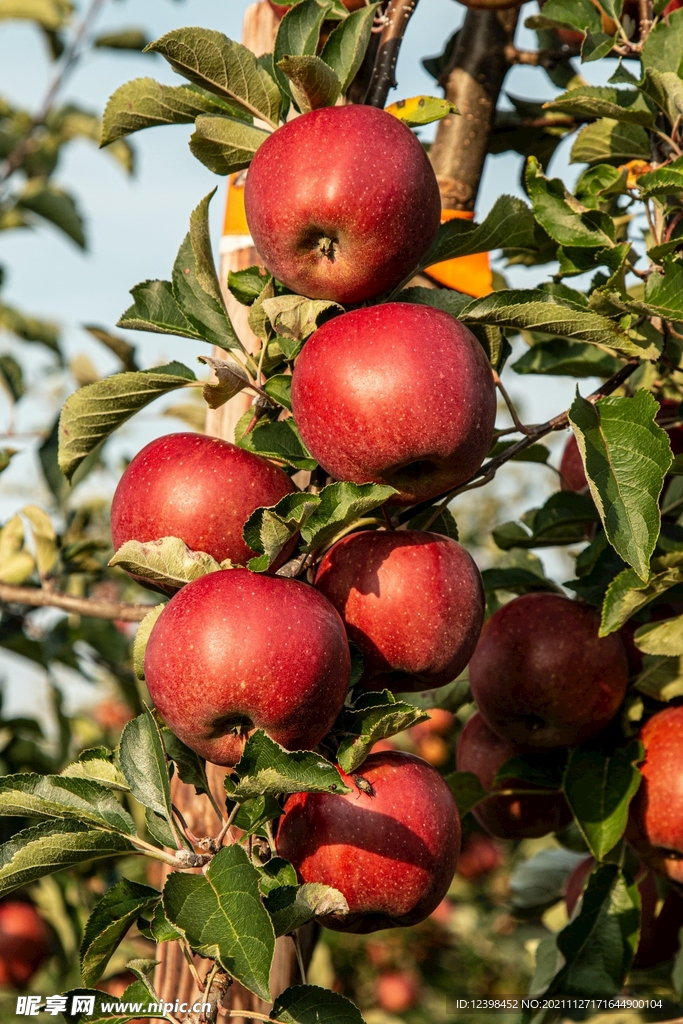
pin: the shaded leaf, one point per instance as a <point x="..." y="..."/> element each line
<point x="610" y="141"/>
<point x="142" y="760"/>
<point x="308" y="1004"/>
<point x="292" y="906"/>
<point x="231" y="380"/>
<point x="509" y="224"/>
<point x="313" y="83"/>
<point x="374" y="717"/>
<point x="599" y="789"/>
<point x="281" y="441"/>
<point x="467" y="790"/>
<point x="167" y="561"/>
<point x="141" y="637"/>
<point x="268" y="530"/>
<point x="346" y="45"/>
<point x="225" y="144"/>
<point x="111" y="918"/>
<point x="627" y="105"/>
<point x="58" y="796"/>
<point x="297" y="36"/>
<point x="155" y="309"/>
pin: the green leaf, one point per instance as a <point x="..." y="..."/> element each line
<point x="534" y="453"/>
<point x="374" y="717"/>
<point x="96" y="764"/>
<point x="268" y="530"/>
<point x="535" y="310"/>
<point x="145" y="103"/>
<point x="161" y="928"/>
<point x="539" y="882"/>
<point x="663" y="638"/>
<point x="664" y="180"/>
<point x="421" y="110"/>
<point x="225" y="144"/>
<point x="661" y="678"/>
<point x="627" y="594"/>
<point x="599" y="789"/>
<point x="562" y="520"/>
<point x="567" y="358"/>
<point x="140" y="992"/>
<point x="610" y="141"/>
<point x="167" y="561"/>
<point x="599" y="943"/>
<point x="58" y="796"/>
<point x="254" y="815"/>
<point x="281" y="441"/>
<point x="561" y="216"/>
<point x="118" y="909"/>
<point x="51" y="15"/>
<point x="517" y="580"/>
<point x="274" y="873"/>
<point x="221" y="915"/>
<point x="190" y="766"/>
<point x="292" y="906"/>
<point x="52" y="846"/>
<point x="247" y="285"/>
<point x="627" y="105"/>
<point x="266" y="767"/>
<point x="142" y="636"/>
<point x="664" y="291"/>
<point x="346" y="45"/>
<point x="542" y="771"/>
<point x="94" y="412"/>
<point x="626" y="456"/>
<point x="509" y="224"/>
<point x="298" y="36"/>
<point x="155" y="309"/>
<point x="222" y="66"/>
<point x="294" y="318"/>
<point x="54" y="205"/>
<point x="143" y="761"/>
<point x="578" y="14"/>
<point x="340" y="505"/>
<point x="666" y="89"/>
<point x="195" y="283"/>
<point x="279" y="388"/>
<point x="308" y="1004"/>
<point x="313" y="83"/>
<point x="663" y="49"/>
<point x="126" y="39"/>
<point x="467" y="790"/>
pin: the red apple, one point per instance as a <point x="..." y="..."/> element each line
<point x="658" y="931"/>
<point x="198" y="488"/>
<point x="542" y="676"/>
<point x="571" y="467"/>
<point x="480" y="856"/>
<point x="235" y="651"/>
<point x="342" y="203"/>
<point x="391" y="847"/>
<point x="413" y="602"/>
<point x="396" y="394"/>
<point x="655" y="826"/>
<point x="24" y="942"/>
<point x="483" y="752"/>
<point x="397" y="991"/>
<point x="673" y="5"/>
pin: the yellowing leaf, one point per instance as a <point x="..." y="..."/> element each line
<point x="419" y="110"/>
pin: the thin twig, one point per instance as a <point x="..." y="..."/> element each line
<point x="399" y="13"/>
<point x="645" y="13"/>
<point x="299" y="957"/>
<point x="187" y="953"/>
<point x="489" y="469"/>
<point x="510" y="405"/>
<point x="39" y="597"/>
<point x="70" y="58"/>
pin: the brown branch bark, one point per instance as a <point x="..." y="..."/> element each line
<point x="399" y="13"/>
<point x="39" y="597"/>
<point x="480" y="64"/>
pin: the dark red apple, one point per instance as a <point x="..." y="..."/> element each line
<point x="542" y="676"/>
<point x="658" y="931"/>
<point x="483" y="752"/>
<point x="655" y="826"/>
<point x="390" y="846"/>
<point x="480" y="856"/>
<point x="236" y="651"/>
<point x="397" y="991"/>
<point x="571" y="467"/>
<point x="413" y="602"/>
<point x="396" y="394"/>
<point x="198" y="488"/>
<point x="24" y="942"/>
<point x="342" y="203"/>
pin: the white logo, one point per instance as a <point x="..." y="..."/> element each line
<point x="83" y="1004"/>
<point x="28" y="1006"/>
<point x="55" y="1005"/>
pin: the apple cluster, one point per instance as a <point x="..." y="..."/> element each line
<point x="391" y="393"/>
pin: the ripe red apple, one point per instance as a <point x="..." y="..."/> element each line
<point x="342" y="203"/>
<point x="483" y="752"/>
<point x="391" y="846"/>
<point x="198" y="488"/>
<point x="396" y="394"/>
<point x="542" y="676"/>
<point x="480" y="856"/>
<point x="571" y="467"/>
<point x="655" y="826"/>
<point x="235" y="651"/>
<point x="413" y="602"/>
<point x="397" y="991"/>
<point x="658" y="931"/>
<point x="24" y="942"/>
